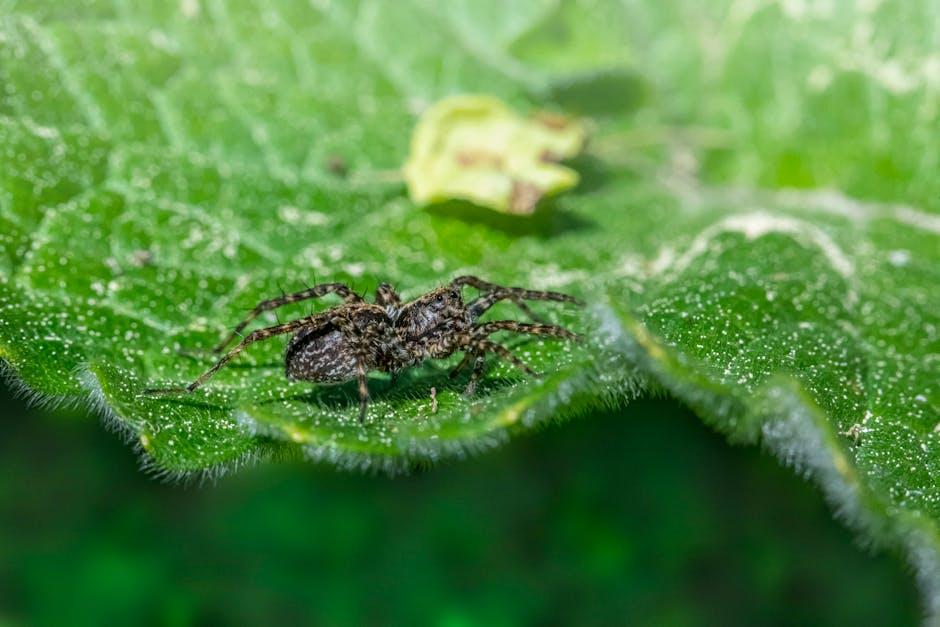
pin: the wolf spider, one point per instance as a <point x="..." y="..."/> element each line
<point x="349" y="340"/>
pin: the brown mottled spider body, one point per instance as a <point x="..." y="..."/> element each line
<point x="321" y="352"/>
<point x="348" y="341"/>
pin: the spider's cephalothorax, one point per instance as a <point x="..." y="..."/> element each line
<point x="352" y="339"/>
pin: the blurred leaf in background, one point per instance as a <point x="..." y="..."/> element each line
<point x="585" y="524"/>
<point x="475" y="148"/>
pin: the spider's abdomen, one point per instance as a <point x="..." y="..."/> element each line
<point x="324" y="355"/>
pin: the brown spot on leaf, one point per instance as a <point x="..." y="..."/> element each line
<point x="524" y="197"/>
<point x="337" y="165"/>
<point x="141" y="258"/>
<point x="478" y="158"/>
<point x="552" y="120"/>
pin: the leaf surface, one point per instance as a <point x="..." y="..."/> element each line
<point x="756" y="227"/>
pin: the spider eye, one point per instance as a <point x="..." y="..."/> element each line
<point x="439" y="298"/>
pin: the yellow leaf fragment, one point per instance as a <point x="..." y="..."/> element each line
<point x="476" y="148"/>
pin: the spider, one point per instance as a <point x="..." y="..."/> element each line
<point x="348" y="341"/>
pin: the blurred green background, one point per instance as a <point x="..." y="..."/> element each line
<point x="640" y="516"/>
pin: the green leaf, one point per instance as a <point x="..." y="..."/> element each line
<point x="756" y="227"/>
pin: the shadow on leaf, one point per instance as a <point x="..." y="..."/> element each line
<point x="413" y="386"/>
<point x="608" y="92"/>
<point x="548" y="220"/>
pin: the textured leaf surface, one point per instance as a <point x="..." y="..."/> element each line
<point x="756" y="228"/>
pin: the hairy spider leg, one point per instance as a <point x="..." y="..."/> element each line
<point x="480" y="304"/>
<point x="502" y="351"/>
<point x="482" y="346"/>
<point x="474" y="281"/>
<point x="463" y="362"/>
<point x="478" y="345"/>
<point x="316" y="291"/>
<point x="363" y="338"/>
<point x="480" y="331"/>
<point x="521" y="292"/>
<point x="478" y="362"/>
<point x="251" y="338"/>
<point x="363" y="389"/>
<point x="517" y="295"/>
<point x="386" y="295"/>
<point x="551" y="330"/>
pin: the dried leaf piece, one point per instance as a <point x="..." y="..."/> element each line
<point x="475" y="148"/>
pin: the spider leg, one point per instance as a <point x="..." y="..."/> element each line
<point x="463" y="362"/>
<point x="480" y="304"/>
<point x="478" y="363"/>
<point x="521" y="292"/>
<point x="386" y="295"/>
<point x="266" y="305"/>
<point x="363" y="390"/>
<point x="551" y="330"/>
<point x="502" y="351"/>
<point x="518" y="295"/>
<point x="251" y="338"/>
<point x="482" y="346"/>
<point x="362" y="339"/>
<point x="479" y="345"/>
<point x="474" y="281"/>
